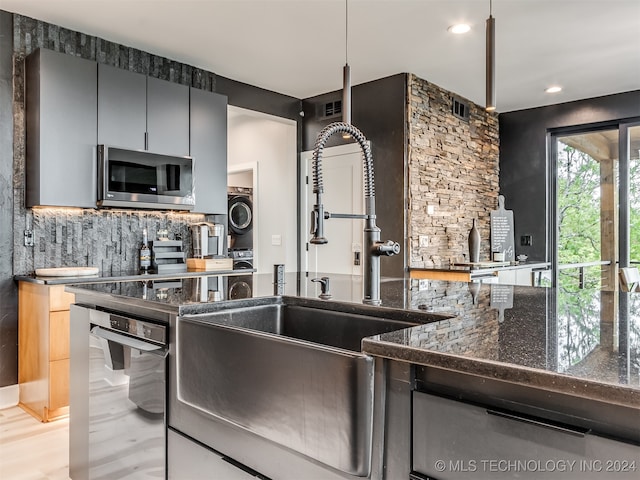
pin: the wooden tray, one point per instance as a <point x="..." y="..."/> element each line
<point x="209" y="264"/>
<point x="66" y="271"/>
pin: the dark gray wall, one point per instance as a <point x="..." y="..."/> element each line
<point x="260" y="100"/>
<point x="379" y="112"/>
<point x="8" y="291"/>
<point x="523" y="157"/>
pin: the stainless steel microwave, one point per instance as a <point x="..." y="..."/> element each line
<point x="141" y="179"/>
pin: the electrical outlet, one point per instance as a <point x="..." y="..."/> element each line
<point x="276" y="239"/>
<point x="525" y="240"/>
<point x="424" y="241"/>
<point x="423" y="285"/>
<point x="431" y="209"/>
<point x="28" y="238"/>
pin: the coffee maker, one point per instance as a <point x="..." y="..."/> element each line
<point x="207" y="240"/>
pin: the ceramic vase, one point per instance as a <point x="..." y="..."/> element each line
<point x="474" y="244"/>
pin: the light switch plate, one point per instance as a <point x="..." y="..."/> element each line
<point x="431" y="209"/>
<point x="28" y="238"/>
<point x="424" y="241"/>
<point x="276" y="239"/>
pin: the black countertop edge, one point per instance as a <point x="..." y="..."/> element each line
<point x="526" y="376"/>
<point x="125" y="278"/>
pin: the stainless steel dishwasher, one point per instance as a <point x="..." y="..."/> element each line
<point x="127" y="360"/>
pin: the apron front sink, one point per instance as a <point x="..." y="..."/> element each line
<point x="290" y="370"/>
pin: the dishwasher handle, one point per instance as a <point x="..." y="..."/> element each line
<point x="128" y="341"/>
<point x="570" y="430"/>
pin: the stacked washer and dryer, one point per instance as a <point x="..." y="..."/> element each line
<point x="240" y="215"/>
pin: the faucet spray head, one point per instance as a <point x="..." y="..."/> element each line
<point x="317" y="226"/>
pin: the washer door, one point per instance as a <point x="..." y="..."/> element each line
<point x="240" y="215"/>
<point x="240" y="288"/>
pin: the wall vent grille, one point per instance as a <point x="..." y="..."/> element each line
<point x="332" y="109"/>
<point x="460" y="108"/>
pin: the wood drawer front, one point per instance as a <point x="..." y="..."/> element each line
<point x="58" y="384"/>
<point x="59" y="335"/>
<point x="456" y="440"/>
<point x="59" y="299"/>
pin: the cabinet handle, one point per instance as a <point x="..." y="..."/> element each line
<point x="128" y="341"/>
<point x="146" y="140"/>
<point x="575" y="431"/>
<point x="420" y="476"/>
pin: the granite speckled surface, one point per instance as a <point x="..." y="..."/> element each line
<point x="551" y="339"/>
<point x="546" y="338"/>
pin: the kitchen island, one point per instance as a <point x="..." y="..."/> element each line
<point x="536" y="355"/>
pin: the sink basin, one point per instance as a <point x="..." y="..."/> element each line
<point x="290" y="370"/>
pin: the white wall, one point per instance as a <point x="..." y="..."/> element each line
<point x="267" y="144"/>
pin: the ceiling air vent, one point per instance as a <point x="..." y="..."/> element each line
<point x="460" y="108"/>
<point x="332" y="109"/>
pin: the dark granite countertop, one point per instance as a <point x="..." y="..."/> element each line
<point x="539" y="337"/>
<point x="547" y="338"/>
<point x="120" y="277"/>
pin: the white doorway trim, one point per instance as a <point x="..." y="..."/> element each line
<point x="306" y="181"/>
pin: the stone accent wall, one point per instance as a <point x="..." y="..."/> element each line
<point x="107" y="239"/>
<point x="475" y="330"/>
<point x="453" y="167"/>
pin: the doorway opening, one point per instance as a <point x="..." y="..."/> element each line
<point x="342" y="172"/>
<point x="596" y="219"/>
<point x="595" y="225"/>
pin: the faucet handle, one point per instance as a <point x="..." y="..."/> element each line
<point x="324" y="287"/>
<point x="316" y="229"/>
<point x="387" y="248"/>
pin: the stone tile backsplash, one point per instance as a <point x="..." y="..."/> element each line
<point x="107" y="239"/>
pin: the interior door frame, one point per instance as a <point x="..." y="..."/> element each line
<point x="305" y="180"/>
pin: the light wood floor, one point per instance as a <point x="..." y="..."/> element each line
<point x="32" y="450"/>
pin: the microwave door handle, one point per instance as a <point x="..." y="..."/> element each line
<point x="127" y="341"/>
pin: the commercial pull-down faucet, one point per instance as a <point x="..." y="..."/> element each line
<point x="373" y="247"/>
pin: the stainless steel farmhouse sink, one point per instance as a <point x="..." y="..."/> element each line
<point x="290" y="370"/>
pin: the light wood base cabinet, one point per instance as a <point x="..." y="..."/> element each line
<point x="43" y="349"/>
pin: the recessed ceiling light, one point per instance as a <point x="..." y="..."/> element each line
<point x="553" y="89"/>
<point x="459" y="28"/>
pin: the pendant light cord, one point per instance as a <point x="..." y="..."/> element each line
<point x="490" y="8"/>
<point x="346" y="32"/>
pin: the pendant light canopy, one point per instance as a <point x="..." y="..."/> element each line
<point x="490" y="63"/>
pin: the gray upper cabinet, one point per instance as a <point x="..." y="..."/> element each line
<point x="209" y="150"/>
<point x="142" y="113"/>
<point x="122" y="108"/>
<point x="167" y="117"/>
<point x="60" y="104"/>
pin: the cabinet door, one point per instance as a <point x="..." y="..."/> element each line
<point x="457" y="441"/>
<point x="58" y="384"/>
<point x="61" y="103"/>
<point x="122" y="108"/>
<point x="58" y="298"/>
<point x="209" y="150"/>
<point x="58" y="335"/>
<point x="167" y="117"/>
